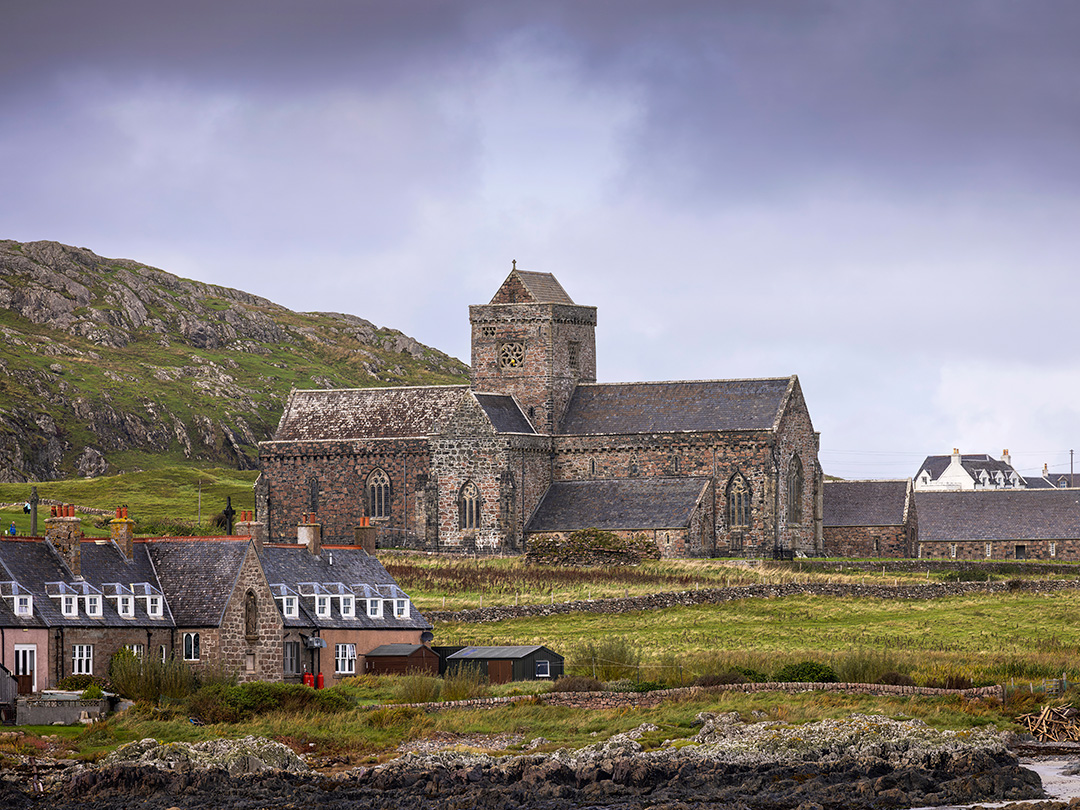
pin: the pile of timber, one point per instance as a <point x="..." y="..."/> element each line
<point x="1053" y="724"/>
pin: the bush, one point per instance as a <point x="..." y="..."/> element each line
<point x="93" y="692"/>
<point x="464" y="683"/>
<point x="577" y="683"/>
<point x="218" y="703"/>
<point x="806" y="672"/>
<point x="150" y="679"/>
<point x="79" y="683"/>
<point x="416" y="687"/>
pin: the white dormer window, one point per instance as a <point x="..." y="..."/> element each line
<point x="322" y="606"/>
<point x="125" y="606"/>
<point x="93" y="605"/>
<point x="153" y="607"/>
<point x="24" y="605"/>
<point x="374" y="608"/>
<point x="291" y="607"/>
<point x="69" y="605"/>
<point x="348" y="606"/>
<point x="401" y="608"/>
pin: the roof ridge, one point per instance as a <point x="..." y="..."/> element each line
<point x="671" y="382"/>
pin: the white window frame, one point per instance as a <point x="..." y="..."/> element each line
<point x="401" y="608"/>
<point x="989" y="550"/>
<point x="192" y="647"/>
<point x="69" y="605"/>
<point x="24" y="604"/>
<point x="287" y="647"/>
<point x="138" y="650"/>
<point x="543" y="668"/>
<point x="952" y="550"/>
<point x="163" y="653"/>
<point x="348" y="607"/>
<point x="374" y="608"/>
<point x="1052" y="549"/>
<point x="82" y="659"/>
<point x="28" y="657"/>
<point x="92" y="602"/>
<point x="290" y="606"/>
<point x="344" y="659"/>
<point x="125" y="606"/>
<point x="155" y="607"/>
<point x="322" y="606"/>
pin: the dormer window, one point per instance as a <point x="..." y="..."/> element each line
<point x="322" y="606"/>
<point x="24" y="605"/>
<point x="348" y="607"/>
<point x="290" y="606"/>
<point x="153" y="607"/>
<point x="93" y="605"/>
<point x="401" y="608"/>
<point x="69" y="605"/>
<point x="374" y="609"/>
<point x="125" y="606"/>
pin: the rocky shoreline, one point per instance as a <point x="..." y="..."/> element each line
<point x="860" y="762"/>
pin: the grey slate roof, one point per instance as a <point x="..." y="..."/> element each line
<point x="864" y="503"/>
<point x="504" y="413"/>
<point x="1037" y="482"/>
<point x="198" y="576"/>
<point x="388" y="650"/>
<point x="544" y="287"/>
<point x="972" y="463"/>
<point x="675" y="407"/>
<point x="291" y="565"/>
<point x="497" y="652"/>
<point x="618" y="503"/>
<point x="361" y="413"/>
<point x="1001" y="514"/>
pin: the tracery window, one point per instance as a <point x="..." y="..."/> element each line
<point x="738" y="502"/>
<point x="378" y="485"/>
<point x="511" y="355"/>
<point x="794" y="490"/>
<point x="470" y="506"/>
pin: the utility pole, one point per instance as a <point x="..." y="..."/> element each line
<point x="1072" y="480"/>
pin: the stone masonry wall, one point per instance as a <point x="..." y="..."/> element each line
<point x="866" y="541"/>
<point x="106" y="641"/>
<point x="796" y="435"/>
<point x="341" y="470"/>
<point x="256" y="657"/>
<point x="1001" y="550"/>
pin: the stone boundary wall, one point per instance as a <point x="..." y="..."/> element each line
<point x="715" y="596"/>
<point x="619" y="700"/>
<point x="980" y="566"/>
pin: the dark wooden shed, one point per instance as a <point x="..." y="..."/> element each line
<point x="504" y="664"/>
<point x="399" y="659"/>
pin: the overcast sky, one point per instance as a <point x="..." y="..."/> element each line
<point x="881" y="197"/>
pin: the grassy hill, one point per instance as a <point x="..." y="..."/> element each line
<point x="108" y="365"/>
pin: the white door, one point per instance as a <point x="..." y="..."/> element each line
<point x="26" y="666"/>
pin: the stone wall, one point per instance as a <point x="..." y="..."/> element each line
<point x="106" y="641"/>
<point x="1001" y="550"/>
<point x="866" y="541"/>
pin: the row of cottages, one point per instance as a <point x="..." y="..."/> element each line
<point x="534" y="445"/>
<point x="264" y="611"/>
<point x="895" y="519"/>
<point x="963" y="471"/>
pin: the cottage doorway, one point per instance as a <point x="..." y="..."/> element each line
<point x="500" y="671"/>
<point x="26" y="668"/>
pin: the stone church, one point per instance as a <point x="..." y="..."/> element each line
<point x="535" y="446"/>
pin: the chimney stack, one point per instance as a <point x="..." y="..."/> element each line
<point x="1006" y="457"/>
<point x="310" y="534"/>
<point x="122" y="532"/>
<point x="64" y="533"/>
<point x="251" y="527"/>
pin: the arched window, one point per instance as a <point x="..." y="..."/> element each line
<point x="378" y="486"/>
<point x="794" y="490"/>
<point x="738" y="502"/>
<point x="251" y="615"/>
<point x="469" y="506"/>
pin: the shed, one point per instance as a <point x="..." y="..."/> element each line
<point x="503" y="664"/>
<point x="399" y="659"/>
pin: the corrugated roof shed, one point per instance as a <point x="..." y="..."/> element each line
<point x="998" y="514"/>
<point x="618" y="503"/>
<point x="367" y="413"/>
<point x="675" y="407"/>
<point x="495" y="652"/>
<point x="864" y="503"/>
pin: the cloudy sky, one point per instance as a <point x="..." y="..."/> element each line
<point x="881" y="197"/>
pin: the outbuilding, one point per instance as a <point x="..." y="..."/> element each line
<point x="504" y="664"/>
<point x="400" y="659"/>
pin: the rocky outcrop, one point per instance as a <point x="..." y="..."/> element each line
<point x="104" y="359"/>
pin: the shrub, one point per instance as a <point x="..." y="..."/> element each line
<point x="78" y="683"/>
<point x="806" y="672"/>
<point x="150" y="679"/>
<point x="93" y="692"/>
<point x="416" y="687"/>
<point x="219" y="703"/>
<point x="577" y="683"/>
<point x="463" y="683"/>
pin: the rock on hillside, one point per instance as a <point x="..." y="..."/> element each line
<point x="107" y="362"/>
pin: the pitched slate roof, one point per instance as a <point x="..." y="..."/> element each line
<point x="387" y="650"/>
<point x="198" y="576"/>
<point x="972" y="464"/>
<point x="542" y="288"/>
<point x="504" y="413"/>
<point x="617" y="503"/>
<point x="291" y="565"/>
<point x="1037" y="482"/>
<point x="998" y="514"/>
<point x="362" y="413"/>
<point x="675" y="407"/>
<point x="498" y="652"/>
<point x="864" y="503"/>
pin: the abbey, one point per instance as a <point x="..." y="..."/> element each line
<point x="535" y="446"/>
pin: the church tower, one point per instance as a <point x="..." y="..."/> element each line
<point x="532" y="341"/>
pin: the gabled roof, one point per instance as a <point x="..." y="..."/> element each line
<point x="387" y="650"/>
<point x="972" y="463"/>
<point x="618" y="503"/>
<point x="497" y="652"/>
<point x="525" y="287"/>
<point x="504" y="413"/>
<point x="864" y="503"/>
<point x="998" y="514"/>
<point x="675" y="407"/>
<point x="350" y="566"/>
<point x="198" y="576"/>
<point x="367" y="413"/>
<point x="1037" y="482"/>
